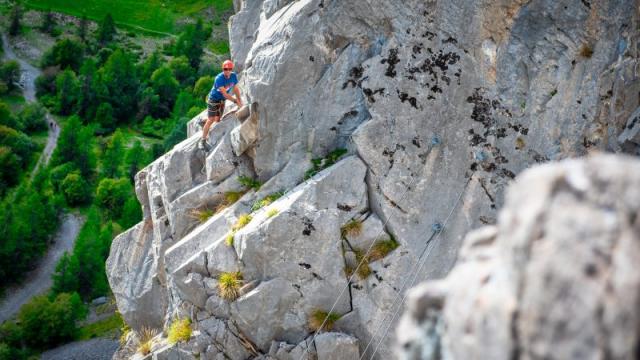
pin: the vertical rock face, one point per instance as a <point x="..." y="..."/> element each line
<point x="439" y="104"/>
<point x="555" y="278"/>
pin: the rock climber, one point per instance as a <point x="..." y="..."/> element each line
<point x="225" y="83"/>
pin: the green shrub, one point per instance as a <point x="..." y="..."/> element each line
<point x="180" y="330"/>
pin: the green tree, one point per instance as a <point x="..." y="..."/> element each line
<point x="46" y="82"/>
<point x="119" y="78"/>
<point x="90" y="90"/>
<point x="135" y="159"/>
<point x="177" y="134"/>
<point x="7" y="119"/>
<point x="131" y="213"/>
<point x="76" y="190"/>
<point x="19" y="143"/>
<point x="182" y="70"/>
<point x="106" y="30"/>
<point x="60" y="172"/>
<point x="190" y="43"/>
<point x="165" y="85"/>
<point x="150" y="64"/>
<point x="74" y="145"/>
<point x="9" y="168"/>
<point x="67" y="88"/>
<point x="112" y="194"/>
<point x="33" y="117"/>
<point x="149" y="105"/>
<point x="65" y="278"/>
<point x="66" y="53"/>
<point x="113" y="156"/>
<point x="46" y="323"/>
<point x="202" y="87"/>
<point x="10" y="74"/>
<point x="16" y="17"/>
<point x="104" y="118"/>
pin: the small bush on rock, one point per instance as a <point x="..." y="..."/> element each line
<point x="229" y="284"/>
<point x="272" y="212"/>
<point x="321" y="320"/>
<point x="180" y="330"/>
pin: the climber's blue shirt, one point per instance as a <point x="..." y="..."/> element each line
<point x="221" y="81"/>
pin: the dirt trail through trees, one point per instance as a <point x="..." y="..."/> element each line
<point x="39" y="280"/>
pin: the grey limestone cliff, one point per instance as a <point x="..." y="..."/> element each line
<point x="439" y="105"/>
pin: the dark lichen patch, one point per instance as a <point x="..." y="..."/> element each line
<point x="334" y="128"/>
<point x="482" y="108"/>
<point x="405" y="97"/>
<point x="586" y="3"/>
<point x="429" y="35"/>
<point x="475" y="139"/>
<point x="308" y="226"/>
<point x="305" y="265"/>
<point x="450" y="40"/>
<point x="312" y="59"/>
<point x="587" y="143"/>
<point x="370" y="93"/>
<point x="316" y="276"/>
<point x="501" y="160"/>
<point x="392" y="60"/>
<point x="344" y="207"/>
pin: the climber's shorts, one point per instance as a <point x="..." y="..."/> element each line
<point x="215" y="108"/>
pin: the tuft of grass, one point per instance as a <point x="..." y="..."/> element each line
<point x="382" y="248"/>
<point x="272" y="212"/>
<point x="320" y="164"/>
<point x="363" y="270"/>
<point x="229" y="284"/>
<point x="553" y="92"/>
<point x="320" y="320"/>
<point x="204" y="214"/>
<point x="230" y="238"/>
<point x="242" y="221"/>
<point x="145" y="340"/>
<point x="230" y="197"/>
<point x="249" y="183"/>
<point x="586" y="51"/>
<point x="180" y="330"/>
<point x="353" y="228"/>
<point x="267" y="200"/>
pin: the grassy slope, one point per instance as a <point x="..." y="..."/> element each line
<point x="154" y="16"/>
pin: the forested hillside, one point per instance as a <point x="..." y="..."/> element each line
<point x="121" y="98"/>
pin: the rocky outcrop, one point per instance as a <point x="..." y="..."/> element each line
<point x="438" y="106"/>
<point x="555" y="278"/>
